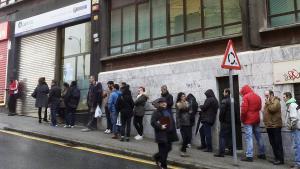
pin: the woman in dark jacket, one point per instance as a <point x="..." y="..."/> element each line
<point x="125" y="105"/>
<point x="165" y="132"/>
<point x="183" y="121"/>
<point x="71" y="100"/>
<point x="41" y="95"/>
<point x="139" y="112"/>
<point x="62" y="112"/>
<point x="54" y="101"/>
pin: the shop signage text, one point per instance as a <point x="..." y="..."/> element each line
<point x="286" y="72"/>
<point x="81" y="10"/>
<point x="4" y="29"/>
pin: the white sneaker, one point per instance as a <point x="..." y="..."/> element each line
<point x="108" y="131"/>
<point x="66" y="126"/>
<point x="138" y="137"/>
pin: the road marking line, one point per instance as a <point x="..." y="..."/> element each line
<point x="85" y="149"/>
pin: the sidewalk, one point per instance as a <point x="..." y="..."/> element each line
<point x="144" y="149"/>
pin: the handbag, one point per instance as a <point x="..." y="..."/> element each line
<point x="98" y="112"/>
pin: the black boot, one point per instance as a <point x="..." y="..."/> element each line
<point x="40" y="120"/>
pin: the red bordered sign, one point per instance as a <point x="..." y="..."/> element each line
<point x="231" y="60"/>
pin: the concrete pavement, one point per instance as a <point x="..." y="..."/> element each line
<point x="145" y="148"/>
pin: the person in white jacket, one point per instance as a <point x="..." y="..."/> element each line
<point x="293" y="124"/>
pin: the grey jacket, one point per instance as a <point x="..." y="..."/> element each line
<point x="41" y="95"/>
<point x="139" y="105"/>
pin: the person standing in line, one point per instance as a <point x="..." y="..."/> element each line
<point x="41" y="95"/>
<point x="183" y="121"/>
<point x="293" y="124"/>
<point x="250" y="108"/>
<point x="225" y="136"/>
<point x="273" y="124"/>
<point x="62" y="106"/>
<point x="139" y="112"/>
<point x="125" y="105"/>
<point x="12" y="101"/>
<point x="165" y="132"/>
<point x="193" y="108"/>
<point x="106" y="95"/>
<point x="112" y="109"/>
<point x="71" y="100"/>
<point x="94" y="99"/>
<point x="54" y="101"/>
<point x="165" y="93"/>
<point x="208" y="115"/>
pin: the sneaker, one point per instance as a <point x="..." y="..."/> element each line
<point x="86" y="130"/>
<point x="108" y="131"/>
<point x="138" y="137"/>
<point x="72" y="126"/>
<point x="247" y="159"/>
<point x="183" y="154"/>
<point x="277" y="162"/>
<point x="189" y="146"/>
<point x="66" y="126"/>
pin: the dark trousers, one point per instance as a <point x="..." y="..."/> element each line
<point x="92" y="124"/>
<point x="276" y="142"/>
<point x="162" y="155"/>
<point x="108" y="119"/>
<point x="40" y="113"/>
<point x="225" y="138"/>
<point x="205" y="134"/>
<point x="186" y="134"/>
<point x="54" y="111"/>
<point x="12" y="103"/>
<point x="70" y="116"/>
<point x="126" y="126"/>
<point x="138" y="124"/>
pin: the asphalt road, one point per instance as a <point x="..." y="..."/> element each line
<point x="18" y="152"/>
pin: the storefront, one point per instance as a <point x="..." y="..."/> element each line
<point x="4" y="29"/>
<point x="54" y="45"/>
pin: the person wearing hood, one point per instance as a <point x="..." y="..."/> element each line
<point x="139" y="112"/>
<point x="208" y="114"/>
<point x="112" y="100"/>
<point x="273" y="124"/>
<point x="293" y="124"/>
<point x="54" y="101"/>
<point x="41" y="95"/>
<point x="250" y="118"/>
<point x="169" y="98"/>
<point x="71" y="100"/>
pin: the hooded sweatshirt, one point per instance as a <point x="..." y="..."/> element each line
<point x="250" y="106"/>
<point x="292" y="115"/>
<point x="210" y="108"/>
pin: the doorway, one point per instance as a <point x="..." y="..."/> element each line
<point x="223" y="83"/>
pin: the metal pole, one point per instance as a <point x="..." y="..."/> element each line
<point x="232" y="118"/>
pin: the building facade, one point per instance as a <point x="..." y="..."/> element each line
<point x="150" y="43"/>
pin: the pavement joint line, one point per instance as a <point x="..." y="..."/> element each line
<point x="84" y="148"/>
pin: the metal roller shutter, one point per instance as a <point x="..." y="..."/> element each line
<point x="37" y="55"/>
<point x="3" y="70"/>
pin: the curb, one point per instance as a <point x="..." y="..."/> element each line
<point x="73" y="143"/>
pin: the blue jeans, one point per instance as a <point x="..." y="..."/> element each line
<point x="249" y="130"/>
<point x="114" y="117"/>
<point x="54" y="108"/>
<point x="205" y="135"/>
<point x="296" y="140"/>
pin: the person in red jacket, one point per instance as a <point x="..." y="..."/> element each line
<point x="12" y="101"/>
<point x="250" y="118"/>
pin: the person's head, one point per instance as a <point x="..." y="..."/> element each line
<point x="287" y="96"/>
<point x="123" y="84"/>
<point x="269" y="94"/>
<point x="110" y="85"/>
<point x="226" y="92"/>
<point x="66" y="85"/>
<point x="41" y="80"/>
<point x="122" y="89"/>
<point x="181" y="97"/>
<point x="164" y="89"/>
<point x="73" y="83"/>
<point x="141" y="90"/>
<point x="92" y="80"/>
<point x="162" y="103"/>
<point x="116" y="87"/>
<point x="53" y="82"/>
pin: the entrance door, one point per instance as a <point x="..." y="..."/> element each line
<point x="223" y="83"/>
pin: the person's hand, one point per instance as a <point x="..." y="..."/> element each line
<point x="163" y="127"/>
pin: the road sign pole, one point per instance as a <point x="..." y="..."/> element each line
<point x="232" y="118"/>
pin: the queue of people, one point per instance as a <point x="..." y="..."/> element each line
<point x="120" y="108"/>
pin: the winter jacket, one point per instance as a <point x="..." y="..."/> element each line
<point x="250" y="106"/>
<point x="193" y="106"/>
<point x="272" y="113"/>
<point x="113" y="100"/>
<point x="166" y="135"/>
<point x="41" y="95"/>
<point x="292" y="115"/>
<point x="94" y="96"/>
<point x="72" y="97"/>
<point x="139" y="105"/>
<point x="183" y="114"/>
<point x="54" y="95"/>
<point x="63" y="93"/>
<point x="169" y="99"/>
<point x="125" y="104"/>
<point x="210" y="108"/>
<point x="225" y="111"/>
<point x="13" y="87"/>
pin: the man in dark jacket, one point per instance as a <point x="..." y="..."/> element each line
<point x="169" y="98"/>
<point x="225" y="121"/>
<point x="208" y="116"/>
<point x="165" y="132"/>
<point x="54" y="101"/>
<point x="94" y="99"/>
<point x="71" y="100"/>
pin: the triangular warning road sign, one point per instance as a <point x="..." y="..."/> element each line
<point x="231" y="60"/>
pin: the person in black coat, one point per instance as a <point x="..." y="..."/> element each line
<point x="54" y="101"/>
<point x="125" y="105"/>
<point x="208" y="116"/>
<point x="225" y="121"/>
<point x="169" y="98"/>
<point x="71" y="100"/>
<point x="165" y="132"/>
<point x="41" y="95"/>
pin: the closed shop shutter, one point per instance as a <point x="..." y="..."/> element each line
<point x="37" y="55"/>
<point x="3" y="70"/>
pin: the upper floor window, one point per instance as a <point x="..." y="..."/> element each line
<point x="144" y="24"/>
<point x="283" y="12"/>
